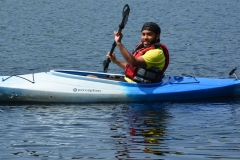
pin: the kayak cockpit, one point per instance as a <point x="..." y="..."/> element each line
<point x="102" y="77"/>
<point x="82" y="73"/>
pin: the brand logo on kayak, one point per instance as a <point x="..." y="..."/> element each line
<point x="86" y="90"/>
<point x="74" y="89"/>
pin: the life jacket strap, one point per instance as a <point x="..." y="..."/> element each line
<point x="148" y="75"/>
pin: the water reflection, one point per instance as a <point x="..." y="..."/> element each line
<point x="149" y="123"/>
<point x="155" y="131"/>
<point x="145" y="131"/>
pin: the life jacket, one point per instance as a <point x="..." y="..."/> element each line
<point x="144" y="75"/>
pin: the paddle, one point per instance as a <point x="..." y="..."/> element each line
<point x="125" y="14"/>
<point x="233" y="72"/>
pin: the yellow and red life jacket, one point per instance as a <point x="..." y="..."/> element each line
<point x="144" y="75"/>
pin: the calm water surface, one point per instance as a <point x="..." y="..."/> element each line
<point x="203" y="40"/>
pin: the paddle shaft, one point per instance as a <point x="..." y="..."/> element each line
<point x="114" y="43"/>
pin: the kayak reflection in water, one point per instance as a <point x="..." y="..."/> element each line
<point x="149" y="59"/>
<point x="148" y="128"/>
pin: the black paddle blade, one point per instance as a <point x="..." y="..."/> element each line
<point x="232" y="71"/>
<point x="125" y="14"/>
<point x="106" y="64"/>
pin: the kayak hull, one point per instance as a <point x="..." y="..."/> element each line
<point x="70" y="86"/>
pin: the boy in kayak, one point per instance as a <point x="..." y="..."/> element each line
<point x="149" y="59"/>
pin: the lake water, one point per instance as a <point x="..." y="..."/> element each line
<point x="203" y="38"/>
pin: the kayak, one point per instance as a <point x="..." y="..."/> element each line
<point x="72" y="86"/>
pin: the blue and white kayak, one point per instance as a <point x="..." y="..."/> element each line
<point x="71" y="86"/>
